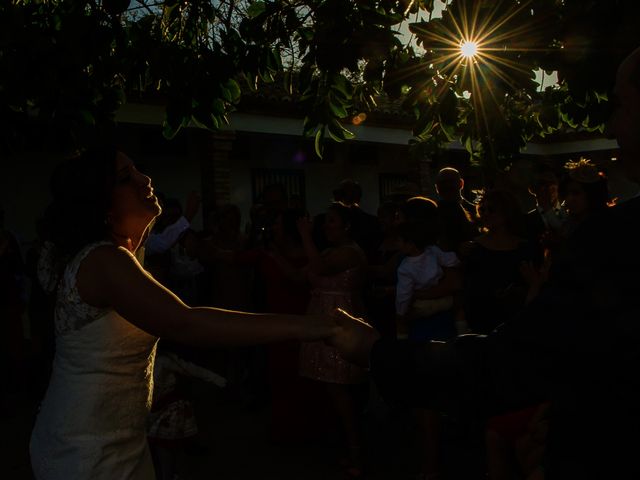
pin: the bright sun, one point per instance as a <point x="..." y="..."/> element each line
<point x="468" y="49"/>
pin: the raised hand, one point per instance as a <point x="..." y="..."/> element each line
<point x="192" y="206"/>
<point x="354" y="338"/>
<point x="305" y="226"/>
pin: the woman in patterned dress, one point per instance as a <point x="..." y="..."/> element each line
<point x="337" y="277"/>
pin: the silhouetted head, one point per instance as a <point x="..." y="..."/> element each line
<point x="584" y="189"/>
<point x="449" y="184"/>
<point x="348" y="192"/>
<point x="338" y="223"/>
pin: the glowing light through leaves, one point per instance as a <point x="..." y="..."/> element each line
<point x="479" y="52"/>
<point x="468" y="49"/>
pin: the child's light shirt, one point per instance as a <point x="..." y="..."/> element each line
<point x="422" y="271"/>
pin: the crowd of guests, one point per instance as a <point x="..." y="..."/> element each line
<point x="422" y="269"/>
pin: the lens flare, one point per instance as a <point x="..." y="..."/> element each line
<point x="468" y="49"/>
<point x="475" y="52"/>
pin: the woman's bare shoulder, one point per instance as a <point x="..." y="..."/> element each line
<point x="101" y="263"/>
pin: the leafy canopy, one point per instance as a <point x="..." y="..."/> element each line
<point x="67" y="66"/>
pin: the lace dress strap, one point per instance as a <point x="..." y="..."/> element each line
<point x="71" y="312"/>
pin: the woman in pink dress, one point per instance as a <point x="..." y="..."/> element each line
<point x="337" y="277"/>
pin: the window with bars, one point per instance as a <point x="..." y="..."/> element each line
<point x="391" y="183"/>
<point x="292" y="181"/>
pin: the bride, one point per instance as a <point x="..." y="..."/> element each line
<point x="109" y="314"/>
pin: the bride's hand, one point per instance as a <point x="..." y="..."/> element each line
<point x="318" y="327"/>
<point x="354" y="338"/>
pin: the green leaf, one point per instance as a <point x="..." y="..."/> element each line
<point x="202" y="120"/>
<point x="226" y="94"/>
<point x="318" y="142"/>
<point x="234" y="89"/>
<point x="424" y="125"/>
<point x="337" y="109"/>
<point x="306" y="33"/>
<point x="426" y="5"/>
<point x="256" y="9"/>
<point x="218" y="107"/>
<point x="115" y="7"/>
<point x="419" y="28"/>
<point x="338" y="132"/>
<point x="334" y="134"/>
<point x="265" y="76"/>
<point x="448" y="131"/>
<point x="348" y="134"/>
<point x="602" y="97"/>
<point x="468" y="145"/>
<point x="170" y="131"/>
<point x="308" y="126"/>
<point x="275" y="59"/>
<point x="341" y="85"/>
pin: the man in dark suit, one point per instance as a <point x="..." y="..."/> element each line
<point x="576" y="344"/>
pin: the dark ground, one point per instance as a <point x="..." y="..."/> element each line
<point x="238" y="444"/>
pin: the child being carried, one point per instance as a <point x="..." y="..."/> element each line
<point x="421" y="268"/>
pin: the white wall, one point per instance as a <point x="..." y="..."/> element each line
<point x="321" y="176"/>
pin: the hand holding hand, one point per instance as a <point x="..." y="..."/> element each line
<point x="354" y="338"/>
<point x="318" y="327"/>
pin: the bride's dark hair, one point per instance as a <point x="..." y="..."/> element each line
<point x="81" y="190"/>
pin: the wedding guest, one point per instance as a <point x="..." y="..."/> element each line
<point x="337" y="277"/>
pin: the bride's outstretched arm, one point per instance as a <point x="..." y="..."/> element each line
<point x="112" y="277"/>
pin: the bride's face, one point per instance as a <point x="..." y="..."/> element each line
<point x="133" y="203"/>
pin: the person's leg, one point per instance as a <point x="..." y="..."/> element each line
<point x="164" y="461"/>
<point x="344" y="402"/>
<point x="499" y="457"/>
<point x="428" y="433"/>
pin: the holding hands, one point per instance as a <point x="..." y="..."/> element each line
<point x="351" y="336"/>
<point x="354" y="338"/>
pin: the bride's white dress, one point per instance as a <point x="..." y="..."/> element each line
<point x="91" y="424"/>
